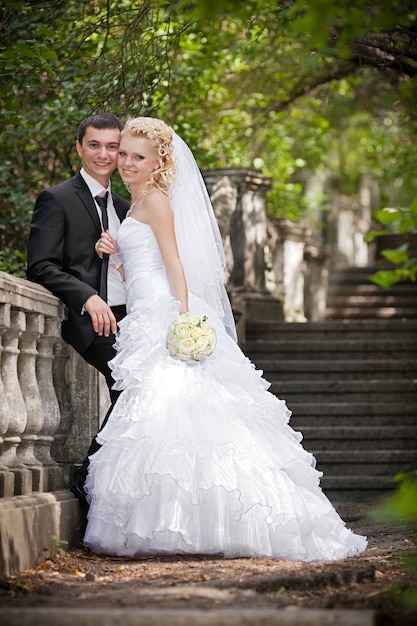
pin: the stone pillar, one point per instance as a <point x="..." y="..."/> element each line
<point x="238" y="198"/>
<point x="322" y="196"/>
<point x="50" y="403"/>
<point x="287" y="246"/>
<point x="15" y="404"/>
<point x="369" y="201"/>
<point x="6" y="476"/>
<point x="316" y="281"/>
<point x="61" y="383"/>
<point x="34" y="411"/>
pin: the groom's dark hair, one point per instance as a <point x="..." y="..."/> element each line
<point x="101" y="120"/>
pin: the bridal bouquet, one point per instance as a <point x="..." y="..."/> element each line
<point x="190" y="337"/>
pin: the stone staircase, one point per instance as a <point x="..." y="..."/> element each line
<point x="351" y="382"/>
<point x="351" y="295"/>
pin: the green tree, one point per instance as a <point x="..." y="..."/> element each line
<point x="254" y="84"/>
<point x="61" y="61"/>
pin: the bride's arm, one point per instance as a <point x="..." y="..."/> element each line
<point x="157" y="212"/>
<point x="107" y="245"/>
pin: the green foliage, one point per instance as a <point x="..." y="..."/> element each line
<point x="403" y="222"/>
<point x="407" y="270"/>
<point x="59" y="62"/>
<point x="345" y="20"/>
<point x="57" y="547"/>
<point x="13" y="262"/>
<point x="248" y="84"/>
<point x="401" y="507"/>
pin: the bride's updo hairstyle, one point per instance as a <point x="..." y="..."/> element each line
<point x="161" y="137"/>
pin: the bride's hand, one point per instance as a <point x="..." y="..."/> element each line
<point x="106" y="244"/>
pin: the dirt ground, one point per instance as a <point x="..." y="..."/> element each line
<point x="376" y="580"/>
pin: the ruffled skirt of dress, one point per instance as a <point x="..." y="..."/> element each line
<point x="199" y="458"/>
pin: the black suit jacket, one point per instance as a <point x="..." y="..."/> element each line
<point x="61" y="255"/>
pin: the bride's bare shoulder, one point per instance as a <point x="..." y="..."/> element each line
<point x="156" y="203"/>
<point x="155" y="195"/>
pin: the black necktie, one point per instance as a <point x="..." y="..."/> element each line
<point x="102" y="203"/>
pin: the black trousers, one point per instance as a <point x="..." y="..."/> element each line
<point x="98" y="354"/>
<point x="101" y="351"/>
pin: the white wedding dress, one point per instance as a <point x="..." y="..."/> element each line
<point x="199" y="457"/>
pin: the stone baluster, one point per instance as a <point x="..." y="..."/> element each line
<point x="44" y="365"/>
<point x="60" y="376"/>
<point x="6" y="476"/>
<point x="15" y="404"/>
<point x="30" y="391"/>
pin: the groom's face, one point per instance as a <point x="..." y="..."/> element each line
<point x="98" y="151"/>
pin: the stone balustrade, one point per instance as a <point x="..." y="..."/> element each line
<point x="275" y="269"/>
<point x="46" y="423"/>
<point x="29" y="412"/>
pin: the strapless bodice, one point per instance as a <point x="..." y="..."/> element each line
<point x="142" y="261"/>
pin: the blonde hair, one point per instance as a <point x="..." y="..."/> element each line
<point x="162" y="139"/>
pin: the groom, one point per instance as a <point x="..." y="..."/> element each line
<point x="66" y="224"/>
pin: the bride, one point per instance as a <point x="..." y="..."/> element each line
<point x="196" y="457"/>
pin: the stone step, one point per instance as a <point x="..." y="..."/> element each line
<point x="300" y="370"/>
<point x="289" y="349"/>
<point x="382" y="300"/>
<point x="355" y="280"/>
<point x="370" y="288"/>
<point x="354" y="390"/>
<point x="332" y="329"/>
<point x="359" y="463"/>
<point x="357" y="488"/>
<point x="341" y="438"/>
<point x="350" y="382"/>
<point x="352" y="295"/>
<point x="159" y="612"/>
<point x="352" y="414"/>
<point x="389" y="312"/>
<point x="359" y="274"/>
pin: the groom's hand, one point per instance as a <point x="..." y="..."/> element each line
<point x="101" y="315"/>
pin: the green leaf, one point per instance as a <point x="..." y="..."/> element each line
<point x="387" y="215"/>
<point x="402" y="505"/>
<point x="397" y="256"/>
<point x="372" y="234"/>
<point x="385" y="278"/>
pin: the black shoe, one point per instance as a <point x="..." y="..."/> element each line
<point x="79" y="492"/>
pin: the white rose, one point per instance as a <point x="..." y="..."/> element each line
<point x="196" y="332"/>
<point x="181" y="330"/>
<point x="186" y="346"/>
<point x="202" y="344"/>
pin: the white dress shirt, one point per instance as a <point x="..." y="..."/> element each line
<point x="115" y="285"/>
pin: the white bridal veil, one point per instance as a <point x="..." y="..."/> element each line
<point x="198" y="235"/>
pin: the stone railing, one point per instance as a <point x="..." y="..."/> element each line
<point x="280" y="269"/>
<point x="46" y="418"/>
<point x="276" y="269"/>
